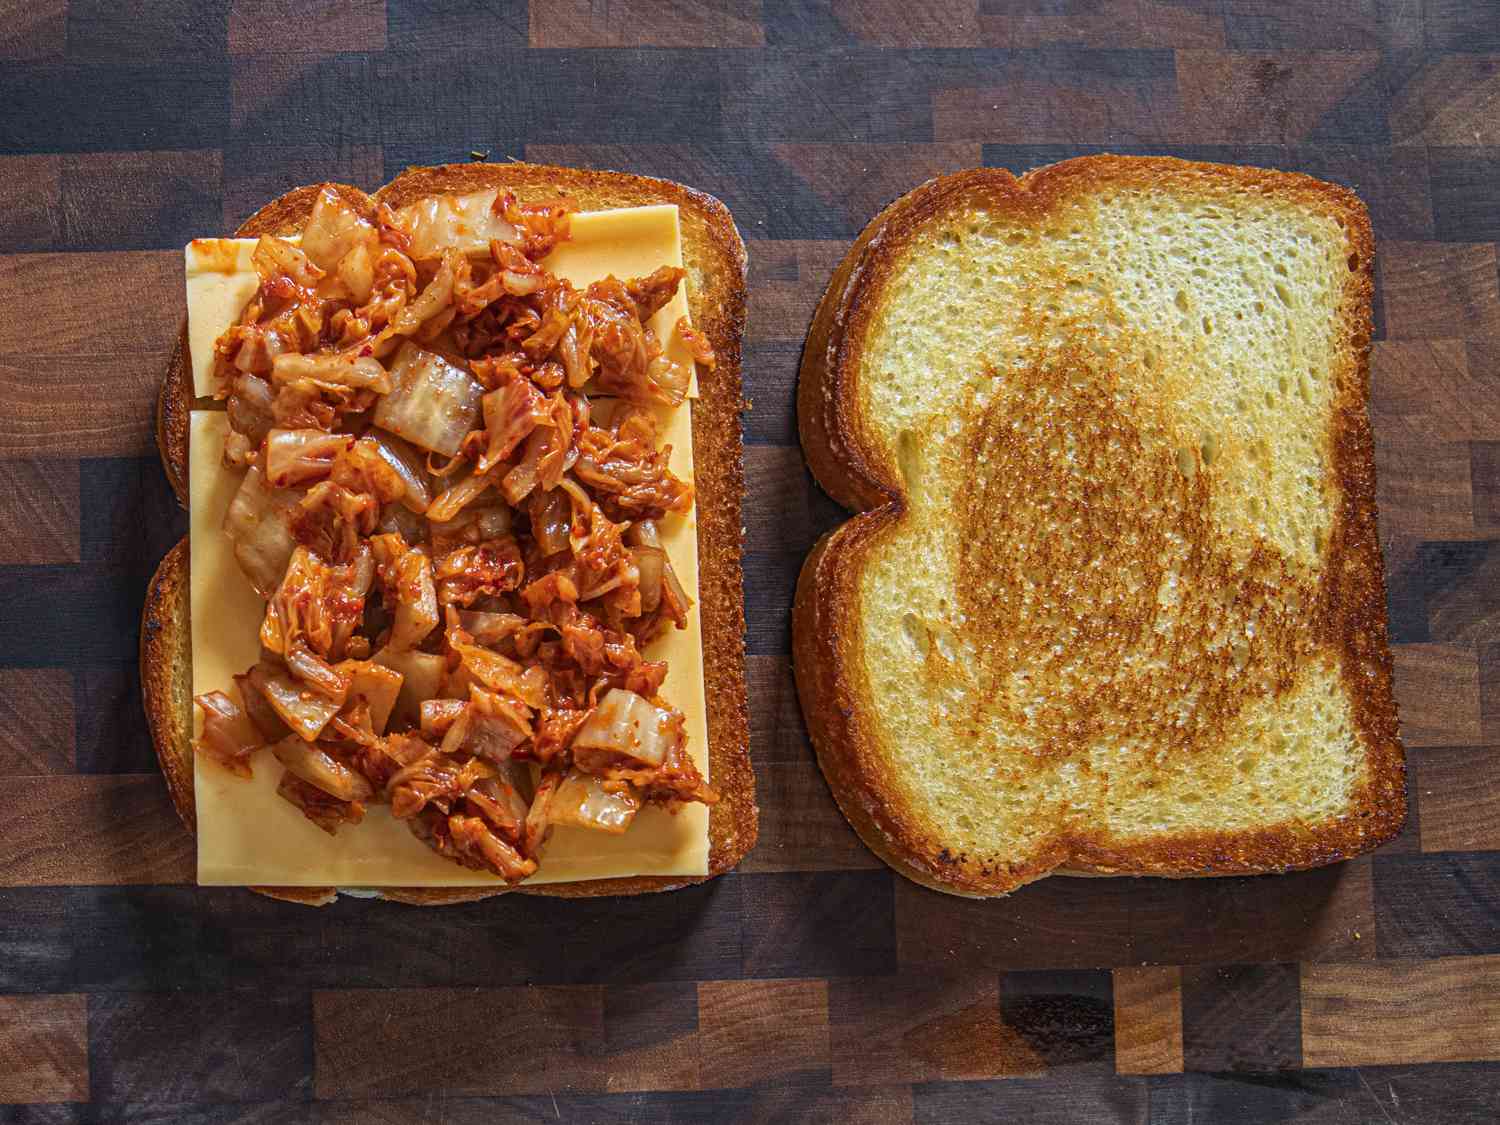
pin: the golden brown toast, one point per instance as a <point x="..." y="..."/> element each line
<point x="714" y="256"/>
<point x="1113" y="603"/>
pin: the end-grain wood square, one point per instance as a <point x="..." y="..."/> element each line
<point x="1148" y="1020"/>
<point x="1437" y="694"/>
<point x="39" y="512"/>
<point x="131" y="835"/>
<point x="303" y="27"/>
<point x="1399" y="1014"/>
<point x="1459" y="791"/>
<point x="1438" y="290"/>
<point x="645" y="23"/>
<point x="44" y="1042"/>
<point x="801" y="828"/>
<point x="759" y="1031"/>
<point x="1246" y="97"/>
<point x="36" y="721"/>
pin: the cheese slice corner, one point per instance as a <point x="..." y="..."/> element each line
<point x="247" y="835"/>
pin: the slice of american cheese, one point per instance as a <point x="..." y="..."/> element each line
<point x="249" y="835"/>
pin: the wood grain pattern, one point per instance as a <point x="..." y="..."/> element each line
<point x="36" y="721"/>
<point x="39" y="512"/>
<point x="1148" y="1020"/>
<point x="812" y="985"/>
<point x="1372" y="1015"/>
<point x="131" y="836"/>
<point x="45" y="1042"/>
<point x="752" y="1032"/>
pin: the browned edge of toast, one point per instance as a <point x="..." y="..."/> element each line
<point x="865" y="477"/>
<point x="715" y="257"/>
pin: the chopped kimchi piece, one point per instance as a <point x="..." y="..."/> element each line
<point x="229" y="737"/>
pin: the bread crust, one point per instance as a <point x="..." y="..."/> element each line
<point x="863" y="475"/>
<point x="714" y="255"/>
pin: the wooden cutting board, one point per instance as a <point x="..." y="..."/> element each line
<point x="811" y="984"/>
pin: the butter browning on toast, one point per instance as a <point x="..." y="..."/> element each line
<point x="714" y="257"/>
<point x="1114" y="602"/>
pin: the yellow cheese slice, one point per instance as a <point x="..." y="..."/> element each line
<point x="249" y="835"/>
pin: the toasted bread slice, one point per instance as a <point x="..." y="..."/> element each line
<point x="1114" y="603"/>
<point x="714" y="257"/>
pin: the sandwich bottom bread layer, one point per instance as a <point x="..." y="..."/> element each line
<point x="1114" y="603"/>
<point x="714" y="257"/>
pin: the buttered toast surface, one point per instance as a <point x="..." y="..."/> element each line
<point x="1115" y="602"/>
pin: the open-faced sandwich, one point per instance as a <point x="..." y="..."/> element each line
<point x="460" y="609"/>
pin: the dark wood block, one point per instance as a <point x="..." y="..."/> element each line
<point x="184" y="30"/>
<point x="1069" y="1098"/>
<point x="1465" y="193"/>
<point x="787" y="280"/>
<point x="1057" y="923"/>
<point x="245" y="1045"/>
<point x="1437" y="694"/>
<point x="818" y="924"/>
<point x="761" y="1032"/>
<point x="777" y="736"/>
<point x="1447" y="101"/>
<point x="209" y="1113"/>
<point x="801" y="828"/>
<point x="791" y="512"/>
<point x="297" y="27"/>
<point x="140" y="200"/>
<point x="769" y="373"/>
<point x="34" y="31"/>
<point x="621" y="96"/>
<point x="151" y="939"/>
<point x="61" y="616"/>
<point x="565" y="1025"/>
<point x="45" y="1042"/>
<point x="130" y="516"/>
<point x="788" y="1101"/>
<point x="38" y="512"/>
<point x="1241" y="1018"/>
<point x="1459" y="791"/>
<point x="100" y="106"/>
<point x="322" y="100"/>
<point x="132" y="834"/>
<point x="1061" y="97"/>
<point x="1410" y="1012"/>
<point x="859" y="95"/>
<point x="1281" y="97"/>
<point x="1112" y="23"/>
<point x="30" y="203"/>
<point x="1460" y="25"/>
<point x="36" y="939"/>
<point x="1456" y="1094"/>
<point x="947" y="23"/>
<point x="645" y="23"/>
<point x="1458" y="580"/>
<point x="1437" y="290"/>
<point x="109" y="732"/>
<point x="1437" y="905"/>
<point x="58" y="1113"/>
<point x="770" y="583"/>
<point x="36" y="721"/>
<point x="256" y="174"/>
<point x="1148" y="1019"/>
<point x="422" y="25"/>
<point x="1339" y="25"/>
<point x="55" y="408"/>
<point x="1484" y="483"/>
<point x="1423" y="489"/>
<point x="1320" y="915"/>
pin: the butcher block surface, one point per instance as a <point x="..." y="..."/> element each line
<point x="812" y="984"/>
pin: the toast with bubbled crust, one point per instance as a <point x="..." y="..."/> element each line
<point x="714" y="257"/>
<point x="1113" y="602"/>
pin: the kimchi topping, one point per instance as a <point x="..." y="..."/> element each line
<point x="451" y="499"/>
